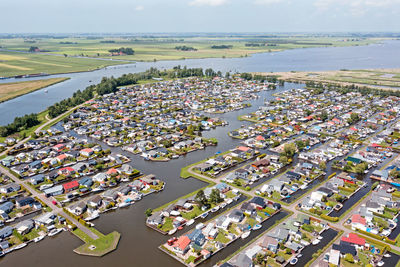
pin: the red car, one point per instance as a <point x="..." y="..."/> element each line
<point x="54" y="202"/>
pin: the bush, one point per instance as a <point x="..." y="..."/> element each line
<point x="307" y="228"/>
<point x="329" y="218"/>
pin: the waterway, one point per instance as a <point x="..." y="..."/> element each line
<point x="383" y="55"/>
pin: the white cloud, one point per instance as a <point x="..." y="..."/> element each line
<point x="324" y="4"/>
<point x="266" y="2"/>
<point x="208" y="2"/>
<point x="139" y="8"/>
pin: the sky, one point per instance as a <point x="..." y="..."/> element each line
<point x="154" y="16"/>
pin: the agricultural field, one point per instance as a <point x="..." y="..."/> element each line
<point x="12" y="90"/>
<point x="68" y="49"/>
<point x="18" y="63"/>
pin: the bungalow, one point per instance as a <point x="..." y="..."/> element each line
<point x="280" y="234"/>
<point x="86" y="181"/>
<point x="197" y="237"/>
<point x="95" y="201"/>
<point x="23" y="201"/>
<point x="236" y="216"/>
<point x="6" y="207"/>
<point x="242" y="173"/>
<point x="79" y="167"/>
<point x="6" y="232"/>
<point x="355" y="240"/>
<point x="100" y="177"/>
<point x="86" y="152"/>
<point x="66" y="171"/>
<point x="54" y="191"/>
<point x="78" y="208"/>
<point x="47" y="218"/>
<point x="358" y="222"/>
<point x="269" y="243"/>
<point x="37" y="179"/>
<point x="150" y="180"/>
<point x="9" y="188"/>
<point x="204" y="167"/>
<point x="70" y="186"/>
<point x="25" y="226"/>
<point x="258" y="202"/>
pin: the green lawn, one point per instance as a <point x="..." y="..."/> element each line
<point x="99" y="247"/>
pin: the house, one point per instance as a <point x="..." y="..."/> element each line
<point x="258" y="202"/>
<point x="155" y="219"/>
<point x="280" y="234"/>
<point x="100" y="177"/>
<point x="95" y="201"/>
<point x="66" y="171"/>
<point x="197" y="237"/>
<point x="54" y="191"/>
<point x="86" y="181"/>
<point x="78" y="208"/>
<point x="334" y="257"/>
<point x="6" y="207"/>
<point x="204" y="167"/>
<point x="9" y="188"/>
<point x="241" y="173"/>
<point x="79" y="167"/>
<point x="248" y="208"/>
<point x="70" y="186"/>
<point x="243" y="261"/>
<point x="37" y="179"/>
<point x="86" y="152"/>
<point x="6" y="232"/>
<point x="127" y="169"/>
<point x="345" y="248"/>
<point x="25" y="226"/>
<point x="181" y="245"/>
<point x="269" y="243"/>
<point x="358" y="222"/>
<point x="354" y="239"/>
<point x="150" y="180"/>
<point x="23" y="201"/>
<point x="47" y="218"/>
<point x="236" y="216"/>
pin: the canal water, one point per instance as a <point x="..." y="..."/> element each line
<point x="384" y="55"/>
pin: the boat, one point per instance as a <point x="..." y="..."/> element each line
<point x="316" y="242"/>
<point x="257" y="226"/>
<point x="215" y="209"/>
<point x="123" y="204"/>
<point x="20" y="246"/>
<point x="175" y="156"/>
<point x="320" y="237"/>
<point x="173" y="231"/>
<point x="39" y="238"/>
<point x="180" y="227"/>
<point x="92" y="216"/>
<point x="190" y="222"/>
<point x="293" y="261"/>
<point x="245" y="234"/>
<point x="387" y="255"/>
<point x="380" y="263"/>
<point x="229" y="201"/>
<point x="54" y="232"/>
<point x="223" y="205"/>
<point x="299" y="255"/>
<point x="200" y="226"/>
<point x="204" y="215"/>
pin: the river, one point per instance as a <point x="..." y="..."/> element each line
<point x="378" y="55"/>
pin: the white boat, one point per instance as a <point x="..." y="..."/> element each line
<point x="229" y="201"/>
<point x="257" y="226"/>
<point x="387" y="255"/>
<point x="123" y="204"/>
<point x="316" y="242"/>
<point x="54" y="232"/>
<point x="200" y="226"/>
<point x="319" y="237"/>
<point x="20" y="246"/>
<point x="215" y="209"/>
<point x="173" y="231"/>
<point x="223" y="205"/>
<point x="175" y="213"/>
<point x="245" y="234"/>
<point x="381" y="263"/>
<point x="293" y="261"/>
<point x="39" y="238"/>
<point x="190" y="222"/>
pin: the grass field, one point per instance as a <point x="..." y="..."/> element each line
<point x="146" y="49"/>
<point x="12" y="90"/>
<point x="16" y="63"/>
<point x="381" y="78"/>
<point x="99" y="247"/>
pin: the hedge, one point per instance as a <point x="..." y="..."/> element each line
<point x="346" y="189"/>
<point x="373" y="241"/>
<point x="396" y="194"/>
<point x="370" y="234"/>
<point x="330" y="176"/>
<point x="329" y="218"/>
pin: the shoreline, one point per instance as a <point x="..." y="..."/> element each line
<point x="42" y="87"/>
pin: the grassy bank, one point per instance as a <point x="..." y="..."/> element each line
<point x="12" y="90"/>
<point x="99" y="247"/>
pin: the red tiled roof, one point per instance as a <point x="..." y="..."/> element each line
<point x="71" y="185"/>
<point x="182" y="242"/>
<point x="354" y="239"/>
<point x="356" y="218"/>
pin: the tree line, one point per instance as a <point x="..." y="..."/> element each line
<point x="127" y="50"/>
<point x="185" y="48"/>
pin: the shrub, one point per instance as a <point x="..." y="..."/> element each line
<point x="329" y="218"/>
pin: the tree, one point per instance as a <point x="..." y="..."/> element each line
<point x="215" y="196"/>
<point x="324" y="115"/>
<point x="322" y="165"/>
<point x="289" y="150"/>
<point x="260" y="259"/>
<point x="349" y="258"/>
<point x="148" y="212"/>
<point x="360" y="168"/>
<point x="201" y="197"/>
<point x="283" y="160"/>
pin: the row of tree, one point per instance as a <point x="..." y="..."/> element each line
<point x="19" y="124"/>
<point x="185" y="48"/>
<point x="126" y="51"/>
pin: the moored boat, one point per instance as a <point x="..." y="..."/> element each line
<point x="245" y="234"/>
